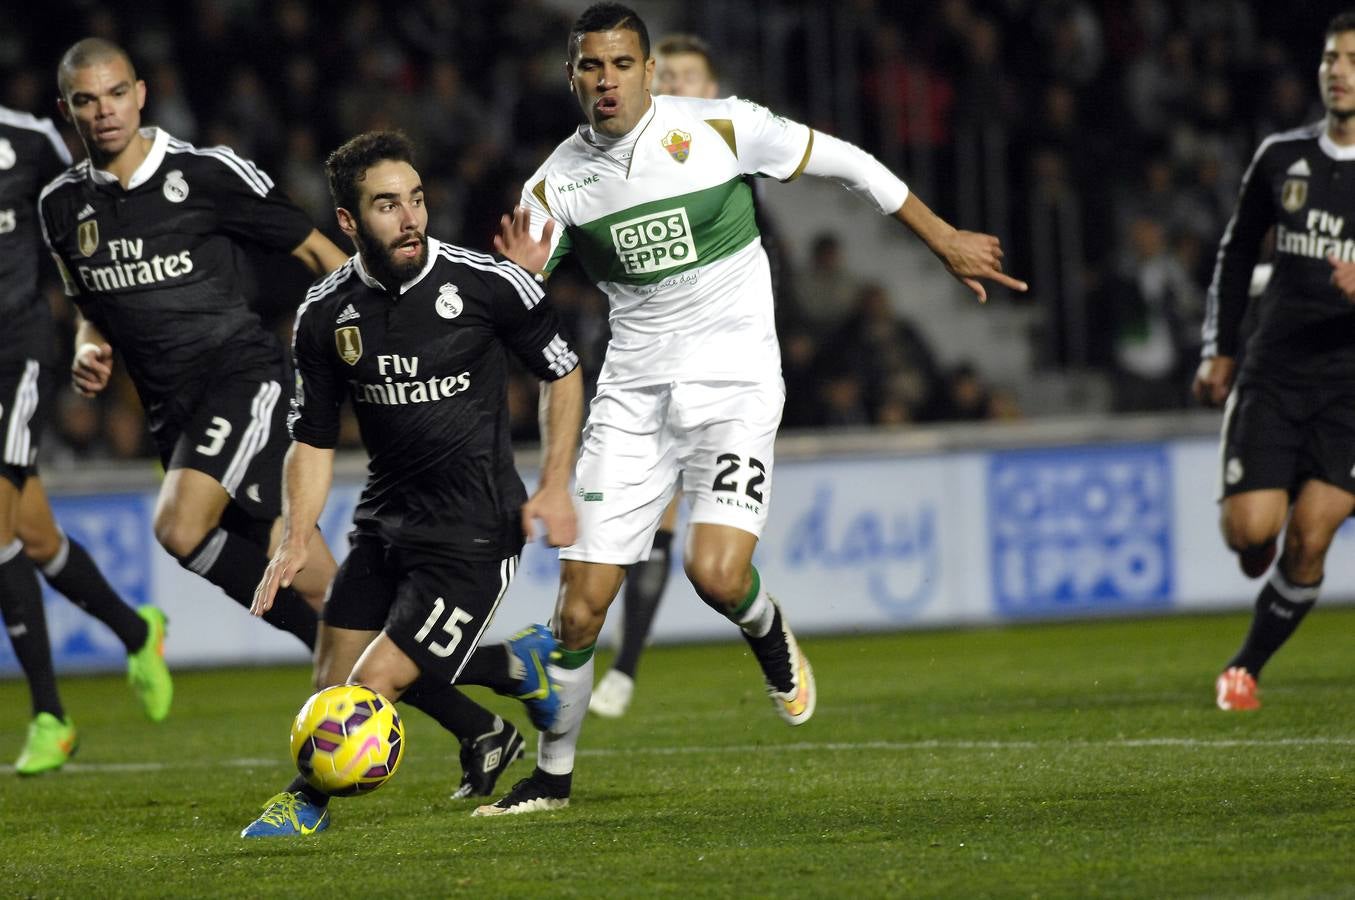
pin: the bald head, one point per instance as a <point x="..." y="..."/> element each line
<point x="90" y="51"/>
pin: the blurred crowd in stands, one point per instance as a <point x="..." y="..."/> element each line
<point x="1103" y="141"/>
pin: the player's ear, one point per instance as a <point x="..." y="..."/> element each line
<point x="347" y="223"/>
<point x="140" y="94"/>
<point x="65" y="110"/>
<point x="569" y="73"/>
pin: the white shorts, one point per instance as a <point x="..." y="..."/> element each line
<point x="717" y="437"/>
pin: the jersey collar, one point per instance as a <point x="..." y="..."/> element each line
<point x="620" y="150"/>
<point x="1335" y="150"/>
<point x="149" y="165"/>
<point x="366" y="277"/>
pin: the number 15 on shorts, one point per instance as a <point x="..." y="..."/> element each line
<point x="452" y="627"/>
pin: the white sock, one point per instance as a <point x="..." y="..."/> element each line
<point x="555" y="749"/>
<point x="756" y="620"/>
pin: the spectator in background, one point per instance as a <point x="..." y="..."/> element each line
<point x="887" y="360"/>
<point x="1157" y="306"/>
<point x="826" y="287"/>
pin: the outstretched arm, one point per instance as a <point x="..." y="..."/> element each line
<point x="967" y="255"/>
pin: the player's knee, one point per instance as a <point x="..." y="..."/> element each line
<point x="384" y="682"/>
<point x="41" y="548"/>
<point x="722" y="583"/>
<point x="1305" y="551"/>
<point x="578" y="625"/>
<point x="1243" y="532"/>
<point x="179" y="535"/>
<point x="326" y="674"/>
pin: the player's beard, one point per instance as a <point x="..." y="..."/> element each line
<point x="381" y="263"/>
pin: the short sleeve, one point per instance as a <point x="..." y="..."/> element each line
<point x="768" y="144"/>
<point x="536" y="200"/>
<point x="251" y="208"/>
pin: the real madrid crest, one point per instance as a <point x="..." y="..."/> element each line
<point x="449" y="303"/>
<point x="348" y="341"/>
<point x="678" y="144"/>
<point x="87" y="237"/>
<point x="176" y="187"/>
<point x="1294" y="194"/>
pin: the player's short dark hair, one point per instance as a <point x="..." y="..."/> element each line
<point x="608" y="17"/>
<point x="88" y="52"/>
<point x="348" y="165"/>
<point x="687" y="43"/>
<point x="1341" y="22"/>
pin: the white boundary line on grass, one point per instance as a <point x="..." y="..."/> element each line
<point x="799" y="746"/>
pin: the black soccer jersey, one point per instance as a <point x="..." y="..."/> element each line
<point x="31" y="154"/>
<point x="426" y="370"/>
<point x="1303" y="184"/>
<point x="154" y="266"/>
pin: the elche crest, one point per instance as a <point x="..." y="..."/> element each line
<point x="678" y="144"/>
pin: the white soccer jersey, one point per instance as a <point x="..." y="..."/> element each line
<point x="669" y="236"/>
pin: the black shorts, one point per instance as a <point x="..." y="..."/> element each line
<point x="1277" y="437"/>
<point x="25" y="395"/>
<point x="237" y="435"/>
<point x="435" y="610"/>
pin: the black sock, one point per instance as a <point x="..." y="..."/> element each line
<point x="494" y="667"/>
<point x="1280" y="607"/>
<point x="26" y="622"/>
<point x="236" y="566"/>
<point x="450" y="708"/>
<point x="772" y="654"/>
<point x="645" y="582"/>
<point x="73" y="572"/>
<point x="299" y="783"/>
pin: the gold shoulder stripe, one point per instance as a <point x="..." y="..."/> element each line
<point x="725" y="129"/>
<point x="804" y="161"/>
<point x="539" y="191"/>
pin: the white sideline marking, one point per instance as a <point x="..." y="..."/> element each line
<point x="901" y="746"/>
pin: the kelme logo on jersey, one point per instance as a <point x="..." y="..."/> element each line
<point x="9" y="220"/>
<point x="678" y="144"/>
<point x="348" y="341"/>
<point x="176" y="188"/>
<point x="655" y="242"/>
<point x="87" y="237"/>
<point x="449" y="304"/>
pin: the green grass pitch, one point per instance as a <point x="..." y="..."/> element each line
<point x="1068" y="760"/>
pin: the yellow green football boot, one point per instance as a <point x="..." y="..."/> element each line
<point x="51" y="741"/>
<point x="146" y="670"/>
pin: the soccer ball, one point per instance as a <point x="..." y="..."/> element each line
<point x="347" y="740"/>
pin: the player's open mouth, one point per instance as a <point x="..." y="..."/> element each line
<point x="608" y="105"/>
<point x="409" y="249"/>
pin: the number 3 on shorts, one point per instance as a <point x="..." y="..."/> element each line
<point x="452" y="626"/>
<point x="217" y="434"/>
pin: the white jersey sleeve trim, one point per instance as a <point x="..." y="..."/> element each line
<point x="528" y="290"/>
<point x="30" y="122"/>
